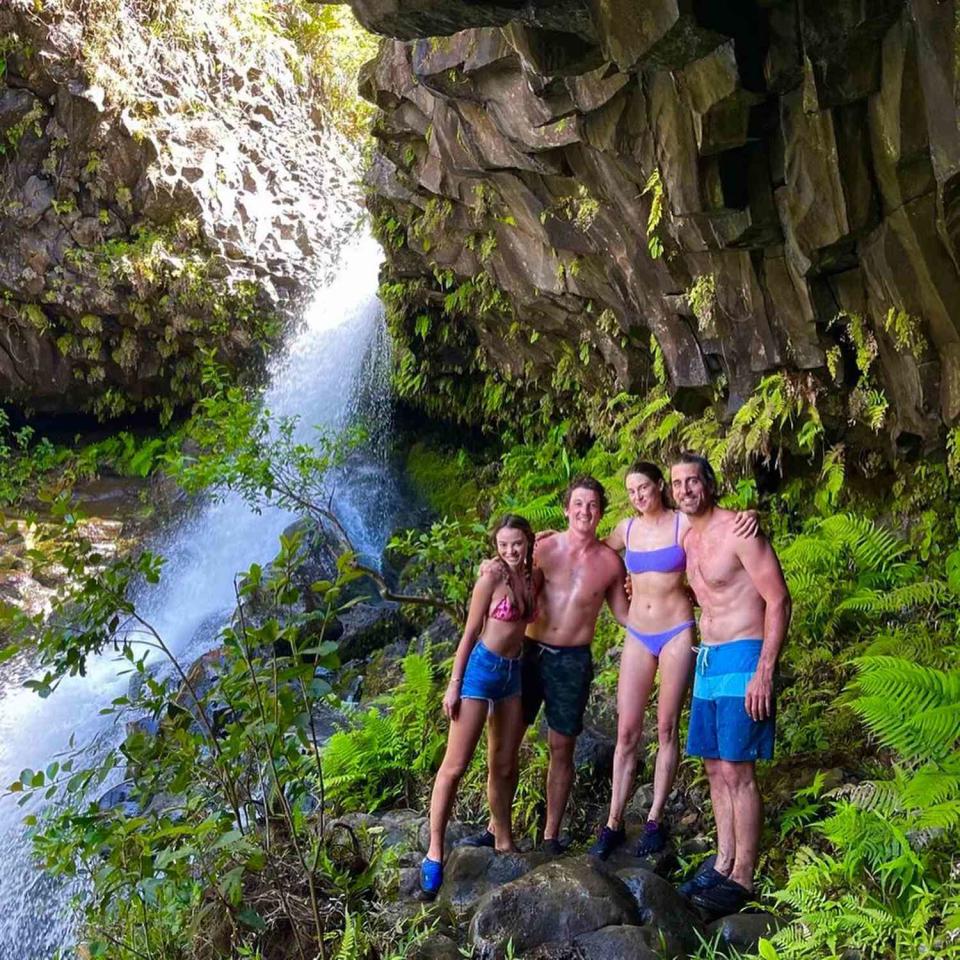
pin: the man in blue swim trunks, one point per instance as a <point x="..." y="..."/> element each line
<point x="745" y="608"/>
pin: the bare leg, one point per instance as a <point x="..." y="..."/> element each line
<point x="462" y="741"/>
<point x="747" y="816"/>
<point x="505" y="731"/>
<point x="676" y="664"/>
<point x="559" y="780"/>
<point x="510" y="736"/>
<point x="723" y="815"/>
<point x="638" y="667"/>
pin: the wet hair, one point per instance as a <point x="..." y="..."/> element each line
<point x="653" y="473"/>
<point x="707" y="474"/>
<point x="586" y="482"/>
<point x="513" y="521"/>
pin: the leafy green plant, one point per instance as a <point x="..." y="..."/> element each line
<point x="654" y="187"/>
<point x="223" y="813"/>
<point x="885" y="888"/>
<point x="448" y="555"/>
<point x="23" y="462"/>
<point x="391" y="753"/>
<point x="702" y="297"/>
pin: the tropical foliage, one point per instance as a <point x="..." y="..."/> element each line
<point x="865" y="789"/>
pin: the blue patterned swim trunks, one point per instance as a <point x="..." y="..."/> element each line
<point x="720" y="727"/>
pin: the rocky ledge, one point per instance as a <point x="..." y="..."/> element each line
<point x="567" y="908"/>
<point x="166" y="187"/>
<point x="762" y="186"/>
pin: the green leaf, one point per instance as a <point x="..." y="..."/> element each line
<point x="252" y="919"/>
<point x="766" y="950"/>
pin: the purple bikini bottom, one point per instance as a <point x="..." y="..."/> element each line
<point x="655" y="642"/>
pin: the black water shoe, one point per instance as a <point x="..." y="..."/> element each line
<point x="723" y="899"/>
<point x="652" y="840"/>
<point x="705" y="878"/>
<point x="607" y="841"/>
<point x="555" y="847"/>
<point x="483" y="839"/>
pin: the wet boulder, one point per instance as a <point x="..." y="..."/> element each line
<point x="663" y="910"/>
<point x="622" y="942"/>
<point x="556" y="902"/>
<point x="742" y="931"/>
<point x="472" y="873"/>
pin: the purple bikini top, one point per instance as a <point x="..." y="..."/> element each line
<point x="669" y="559"/>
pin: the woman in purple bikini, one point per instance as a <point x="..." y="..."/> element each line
<point x="660" y="635"/>
<point x="485" y="688"/>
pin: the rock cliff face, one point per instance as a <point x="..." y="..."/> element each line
<point x="167" y="186"/>
<point x="762" y="186"/>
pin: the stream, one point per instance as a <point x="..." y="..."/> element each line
<point x="334" y="370"/>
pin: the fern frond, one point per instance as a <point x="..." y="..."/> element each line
<point x="872" y="546"/>
<point x="871" y="602"/>
<point x="350" y="948"/>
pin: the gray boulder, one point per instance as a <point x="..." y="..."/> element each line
<point x="667" y="915"/>
<point x="622" y="942"/>
<point x="556" y="902"/>
<point x="742" y="931"/>
<point x="438" y="946"/>
<point x="472" y="872"/>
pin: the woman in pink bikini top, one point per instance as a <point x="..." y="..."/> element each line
<point x="660" y="636"/>
<point x="485" y="688"/>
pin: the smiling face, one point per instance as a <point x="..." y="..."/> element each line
<point x="511" y="546"/>
<point x="644" y="493"/>
<point x="584" y="510"/>
<point x="690" y="492"/>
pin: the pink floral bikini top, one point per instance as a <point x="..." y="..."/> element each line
<point x="508" y="613"/>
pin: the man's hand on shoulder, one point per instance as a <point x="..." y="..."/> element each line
<point x="746" y="523"/>
<point x="494" y="569"/>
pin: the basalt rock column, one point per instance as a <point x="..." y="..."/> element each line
<point x="800" y="160"/>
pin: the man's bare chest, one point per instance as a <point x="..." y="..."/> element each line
<point x="581" y="582"/>
<point x="711" y="563"/>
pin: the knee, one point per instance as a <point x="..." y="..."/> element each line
<point x="561" y="754"/>
<point x="667" y="731"/>
<point x="452" y="770"/>
<point x="503" y="768"/>
<point x="628" y="737"/>
<point x="738" y="776"/>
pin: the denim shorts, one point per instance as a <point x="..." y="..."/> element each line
<point x="489" y="676"/>
<point x="720" y="727"/>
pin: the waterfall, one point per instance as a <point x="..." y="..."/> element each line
<point x="335" y="369"/>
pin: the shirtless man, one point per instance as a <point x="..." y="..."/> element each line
<point x="745" y="612"/>
<point x="579" y="573"/>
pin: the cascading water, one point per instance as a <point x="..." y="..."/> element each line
<point x="335" y="369"/>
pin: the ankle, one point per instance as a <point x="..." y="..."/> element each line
<point x="723" y="865"/>
<point x="615" y="823"/>
<point x="435" y="853"/>
<point x="743" y="878"/>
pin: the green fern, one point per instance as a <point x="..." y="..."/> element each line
<point x="394" y="747"/>
<point x="910" y="708"/>
<point x="350" y="942"/>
